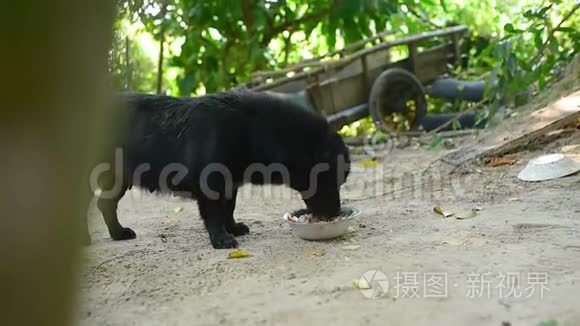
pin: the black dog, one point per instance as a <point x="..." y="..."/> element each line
<point x="207" y="147"/>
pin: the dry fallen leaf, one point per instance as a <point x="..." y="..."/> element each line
<point x="361" y="284"/>
<point x="467" y="215"/>
<point x="499" y="161"/>
<point x="178" y="209"/>
<point x="313" y="252"/>
<point x="437" y="209"/>
<point x="238" y="254"/>
<point x="368" y="163"/>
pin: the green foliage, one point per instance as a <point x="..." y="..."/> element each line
<point x="222" y="42"/>
<point x="136" y="74"/>
<point x="133" y="66"/>
<point x="227" y="40"/>
<point x="533" y="52"/>
<point x="364" y="126"/>
<point x="518" y="45"/>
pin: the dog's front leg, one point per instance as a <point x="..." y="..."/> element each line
<point x="237" y="229"/>
<point x="215" y="217"/>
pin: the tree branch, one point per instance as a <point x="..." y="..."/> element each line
<point x="248" y="17"/>
<point x="294" y="24"/>
<point x="161" y="48"/>
<point x="287" y="46"/>
<point x="552" y="32"/>
<point x="422" y="18"/>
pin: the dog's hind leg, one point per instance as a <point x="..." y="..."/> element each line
<point x="215" y="217"/>
<point x="107" y="204"/>
<point x="237" y="229"/>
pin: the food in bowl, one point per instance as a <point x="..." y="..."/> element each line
<point x="303" y="216"/>
<point x="308" y="227"/>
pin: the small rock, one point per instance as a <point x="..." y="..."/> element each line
<point x="351" y="247"/>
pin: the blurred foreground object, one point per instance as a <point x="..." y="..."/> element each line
<point x="54" y="96"/>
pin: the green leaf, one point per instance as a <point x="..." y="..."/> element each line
<point x="456" y="125"/>
<point x="566" y="29"/>
<point x="538" y="41"/>
<point x="436" y="142"/>
<point x="428" y="2"/>
<point x="551" y="60"/>
<point x="443" y="5"/>
<point x="511" y="29"/>
<point x="542" y="13"/>
<point x="554" y="45"/>
<point x="542" y="82"/>
<point x="187" y="85"/>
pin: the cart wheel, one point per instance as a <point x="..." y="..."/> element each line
<point x="397" y="101"/>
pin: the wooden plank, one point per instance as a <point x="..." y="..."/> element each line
<point x="414" y="39"/>
<point x="456" y="40"/>
<point x="378" y="59"/>
<point x="291" y="87"/>
<point x="432" y="63"/>
<point x="365" y="74"/>
<point x="345" y="93"/>
<point x="447" y="32"/>
<point x="348" y="116"/>
<point x="555" y="116"/>
<point x="333" y="95"/>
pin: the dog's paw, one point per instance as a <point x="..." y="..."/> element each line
<point x="224" y="241"/>
<point x="124" y="234"/>
<point x="239" y="229"/>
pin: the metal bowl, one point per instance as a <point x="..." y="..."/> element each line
<point x="324" y="230"/>
<point x="548" y="167"/>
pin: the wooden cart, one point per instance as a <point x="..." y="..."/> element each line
<point x="371" y="80"/>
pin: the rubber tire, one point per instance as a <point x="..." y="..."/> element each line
<point x="385" y="82"/>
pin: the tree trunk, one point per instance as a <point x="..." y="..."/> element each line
<point x="161" y="49"/>
<point x="128" y="71"/>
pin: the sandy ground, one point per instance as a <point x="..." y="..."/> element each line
<point x="170" y="275"/>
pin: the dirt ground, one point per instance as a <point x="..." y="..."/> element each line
<point x="170" y="274"/>
<point x="493" y="267"/>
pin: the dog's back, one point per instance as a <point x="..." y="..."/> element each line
<point x="233" y="128"/>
